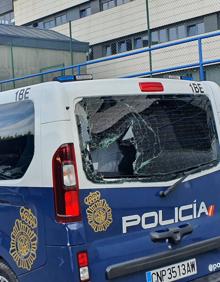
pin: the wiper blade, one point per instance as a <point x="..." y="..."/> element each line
<point x="172" y="187"/>
<point x="164" y="193"/>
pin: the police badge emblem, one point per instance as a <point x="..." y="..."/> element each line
<point x="24" y="239"/>
<point x="99" y="214"/>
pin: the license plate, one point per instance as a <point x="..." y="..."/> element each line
<point x="173" y="272"/>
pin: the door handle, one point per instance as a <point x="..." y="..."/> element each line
<point x="172" y="235"/>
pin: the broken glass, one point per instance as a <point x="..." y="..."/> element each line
<point x="145" y="138"/>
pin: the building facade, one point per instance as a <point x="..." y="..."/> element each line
<point x="25" y="50"/>
<point x="117" y="26"/>
<point x="7" y="12"/>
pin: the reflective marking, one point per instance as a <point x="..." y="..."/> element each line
<point x="149" y="279"/>
<point x="211" y="210"/>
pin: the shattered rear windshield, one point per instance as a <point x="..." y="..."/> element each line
<point x="145" y="138"/>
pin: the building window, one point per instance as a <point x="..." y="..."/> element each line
<point x="192" y="30"/>
<point x="145" y="40"/>
<point x="107" y="4"/>
<point x="40" y="25"/>
<point x="195" y="29"/>
<point x="7" y="19"/>
<point x="163" y="35"/>
<point x="120" y="2"/>
<point x="62" y="19"/>
<point x="155" y="37"/>
<point x="124" y="45"/>
<point x="218" y="20"/>
<point x="114" y="48"/>
<point x="85" y="12"/>
<point x="173" y="34"/>
<point x="181" y="31"/>
<point x="90" y="54"/>
<point x="129" y="44"/>
<point x="107" y="50"/>
<point x="49" y="24"/>
<point x="16" y="139"/>
<point x="201" y="28"/>
<point x="138" y="42"/>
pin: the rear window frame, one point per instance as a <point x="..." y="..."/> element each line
<point x="128" y="180"/>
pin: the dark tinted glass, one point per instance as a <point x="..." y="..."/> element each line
<point x="49" y="24"/>
<point x="85" y="12"/>
<point x="163" y="35"/>
<point x="107" y="4"/>
<point x="107" y="50"/>
<point x="145" y="40"/>
<point x="181" y="31"/>
<point x="61" y="19"/>
<point x="122" y="47"/>
<point x="155" y="37"/>
<point x="129" y="44"/>
<point x="201" y="28"/>
<point x="192" y="30"/>
<point x="156" y="138"/>
<point x="7" y="18"/>
<point x="138" y="42"/>
<point x="173" y="33"/>
<point x="82" y="13"/>
<point x="114" y="48"/>
<point x="16" y="139"/>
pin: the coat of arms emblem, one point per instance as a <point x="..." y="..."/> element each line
<point x="24" y="239"/>
<point x="99" y="214"/>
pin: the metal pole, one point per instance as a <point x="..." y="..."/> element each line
<point x="12" y="64"/>
<point x="78" y="70"/>
<point x="71" y="45"/>
<point x="149" y="36"/>
<point x="201" y="64"/>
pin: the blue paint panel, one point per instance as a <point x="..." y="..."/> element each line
<point x="12" y="199"/>
<point x="49" y="232"/>
<point x="112" y="247"/>
<point x="59" y="243"/>
<point x="60" y="266"/>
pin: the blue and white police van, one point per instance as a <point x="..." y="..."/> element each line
<point x="110" y="180"/>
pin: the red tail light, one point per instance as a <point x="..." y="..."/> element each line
<point x="65" y="183"/>
<point x="83" y="259"/>
<point x="151" y="86"/>
<point x="83" y="263"/>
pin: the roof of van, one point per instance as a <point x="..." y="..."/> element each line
<point x="61" y="96"/>
<point x="23" y="36"/>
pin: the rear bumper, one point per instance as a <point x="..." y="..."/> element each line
<point x="162" y="259"/>
<point x="215" y="277"/>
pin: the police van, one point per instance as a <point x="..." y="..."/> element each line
<point x="111" y="180"/>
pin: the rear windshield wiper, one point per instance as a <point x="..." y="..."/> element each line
<point x="164" y="193"/>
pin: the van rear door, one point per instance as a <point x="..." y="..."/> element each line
<point x="134" y="148"/>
